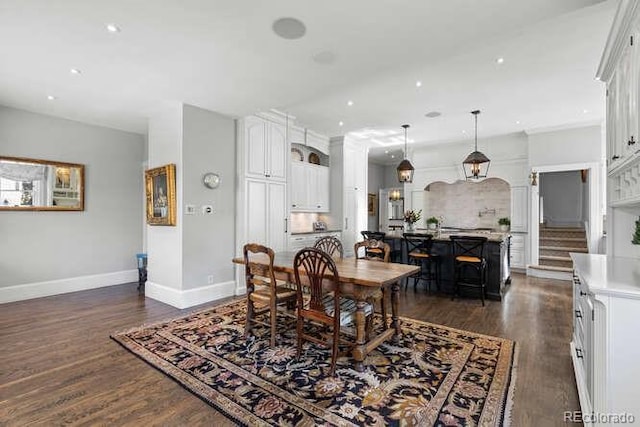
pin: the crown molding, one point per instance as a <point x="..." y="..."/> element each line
<point x="626" y="14"/>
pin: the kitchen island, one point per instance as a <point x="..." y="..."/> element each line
<point x="496" y="252"/>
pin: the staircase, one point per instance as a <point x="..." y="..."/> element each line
<point x="555" y="245"/>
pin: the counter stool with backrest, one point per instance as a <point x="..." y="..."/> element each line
<point x="263" y="289"/>
<point x="419" y="252"/>
<point x="470" y="266"/>
<point x="320" y="300"/>
<point x="331" y="245"/>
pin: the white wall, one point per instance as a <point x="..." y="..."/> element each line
<point x="375" y="183"/>
<point x="569" y="146"/>
<point x="208" y="240"/>
<point x="164" y="243"/>
<point x="562" y="193"/>
<point x="45" y="253"/>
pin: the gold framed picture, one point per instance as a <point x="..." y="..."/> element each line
<point x="161" y="195"/>
<point x="372" y="204"/>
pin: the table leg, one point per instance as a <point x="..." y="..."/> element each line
<point x="360" y="351"/>
<point x="395" y="322"/>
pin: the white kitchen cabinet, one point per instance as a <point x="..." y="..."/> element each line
<point x="309" y="187"/>
<point x="297" y="135"/>
<point x="266" y="146"/>
<point x="266" y="219"/>
<point x="518" y="251"/>
<point x="620" y="70"/>
<point x="606" y="303"/>
<point x="520" y="209"/>
<point x="348" y="190"/>
<point x="317" y="141"/>
<point x="304" y="240"/>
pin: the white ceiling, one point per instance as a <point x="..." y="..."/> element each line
<point x="223" y="56"/>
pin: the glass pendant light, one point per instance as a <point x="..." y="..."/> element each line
<point x="476" y="165"/>
<point x="405" y="168"/>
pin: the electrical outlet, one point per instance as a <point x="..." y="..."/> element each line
<point x="210" y="280"/>
<point x="207" y="209"/>
<point x="190" y="209"/>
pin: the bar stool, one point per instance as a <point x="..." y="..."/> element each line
<point x="470" y="266"/>
<point x="419" y="252"/>
<point x="142" y="269"/>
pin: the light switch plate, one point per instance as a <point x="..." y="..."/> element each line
<point x="190" y="209"/>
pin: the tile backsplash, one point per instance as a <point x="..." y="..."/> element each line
<point x="467" y="204"/>
<point x="302" y="222"/>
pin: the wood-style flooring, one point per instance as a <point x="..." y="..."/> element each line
<point x="58" y="365"/>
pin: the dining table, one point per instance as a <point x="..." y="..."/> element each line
<point x="361" y="280"/>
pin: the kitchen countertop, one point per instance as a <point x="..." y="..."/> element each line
<point x="315" y="232"/>
<point x="609" y="275"/>
<point x="493" y="236"/>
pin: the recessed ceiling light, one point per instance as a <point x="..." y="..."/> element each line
<point x="340" y="123"/>
<point x="585" y="111"/>
<point x="464" y="131"/>
<point x="393" y="156"/>
<point x="517" y="122"/>
<point x="418" y="83"/>
<point x="289" y="28"/>
<point x="113" y="28"/>
<point x="349" y="103"/>
<point x="51" y="97"/>
<point x="500" y="61"/>
<point x="433" y="114"/>
<point x="386" y="151"/>
<point x="75" y="71"/>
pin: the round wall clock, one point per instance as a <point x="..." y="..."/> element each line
<point x="211" y="180"/>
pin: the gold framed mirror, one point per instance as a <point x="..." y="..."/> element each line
<point x="40" y="185"/>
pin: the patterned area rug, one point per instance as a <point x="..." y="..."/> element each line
<point x="434" y="376"/>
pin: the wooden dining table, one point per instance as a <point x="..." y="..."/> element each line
<point x="361" y="280"/>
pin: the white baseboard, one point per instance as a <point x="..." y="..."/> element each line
<point x="63" y="286"/>
<point x="189" y="297"/>
<point x="549" y="274"/>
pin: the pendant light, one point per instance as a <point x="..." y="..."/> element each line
<point x="476" y="165"/>
<point x="405" y="169"/>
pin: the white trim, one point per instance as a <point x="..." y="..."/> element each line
<point x="189" y="297"/>
<point x="567" y="126"/>
<point x="548" y="274"/>
<point x="63" y="286"/>
<point x="617" y="40"/>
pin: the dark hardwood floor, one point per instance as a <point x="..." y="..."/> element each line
<point x="59" y="366"/>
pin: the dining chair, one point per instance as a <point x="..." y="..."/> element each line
<point x="375" y="250"/>
<point x="320" y="300"/>
<point x="330" y="245"/>
<point x="470" y="265"/>
<point x="419" y="247"/>
<point x="373" y="235"/>
<point x="264" y="290"/>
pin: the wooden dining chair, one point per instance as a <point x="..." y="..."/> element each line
<point x="330" y="245"/>
<point x="375" y="250"/>
<point x="263" y="290"/>
<point x="320" y="300"/>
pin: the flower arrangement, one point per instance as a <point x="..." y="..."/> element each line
<point x="636" y="235"/>
<point x="411" y="216"/>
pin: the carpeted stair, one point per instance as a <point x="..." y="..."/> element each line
<point x="555" y="245"/>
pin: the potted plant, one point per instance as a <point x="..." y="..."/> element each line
<point x="504" y="223"/>
<point x="411" y="217"/>
<point x="432" y="222"/>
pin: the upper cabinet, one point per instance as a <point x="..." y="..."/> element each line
<point x="266" y="149"/>
<point x="318" y="141"/>
<point x="620" y="70"/>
